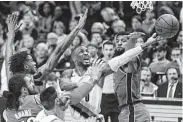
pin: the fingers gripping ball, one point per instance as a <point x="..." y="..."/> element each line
<point x="167" y="26"/>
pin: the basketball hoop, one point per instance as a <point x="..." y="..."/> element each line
<point x="142" y="6"/>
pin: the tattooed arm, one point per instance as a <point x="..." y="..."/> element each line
<point x="60" y="49"/>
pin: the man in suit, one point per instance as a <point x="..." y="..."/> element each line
<point x="172" y="88"/>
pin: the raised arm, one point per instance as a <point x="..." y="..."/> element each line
<point x="9" y="50"/>
<point x="60" y="49"/>
<point x="118" y="61"/>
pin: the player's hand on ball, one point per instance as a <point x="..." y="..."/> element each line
<point x="97" y="67"/>
<point x="154" y="38"/>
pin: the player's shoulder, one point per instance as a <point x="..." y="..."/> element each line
<point x="67" y="73"/>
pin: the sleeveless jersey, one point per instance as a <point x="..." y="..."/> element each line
<point x="91" y="102"/>
<point x="127" y="85"/>
<point x="42" y="117"/>
<point x="27" y="111"/>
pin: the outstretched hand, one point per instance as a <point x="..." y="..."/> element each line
<point x="97" y="68"/>
<point x="82" y="19"/>
<point x="12" y="22"/>
<point x="154" y="38"/>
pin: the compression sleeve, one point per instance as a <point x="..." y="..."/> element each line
<point x="118" y="61"/>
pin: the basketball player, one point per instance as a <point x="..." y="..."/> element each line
<point x="127" y="82"/>
<point x="28" y="67"/>
<point x="23" y="104"/>
<point x="81" y="58"/>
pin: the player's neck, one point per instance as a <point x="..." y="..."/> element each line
<point x="51" y="112"/>
<point x="80" y="70"/>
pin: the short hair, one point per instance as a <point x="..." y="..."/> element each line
<point x="47" y="98"/>
<point x="17" y="62"/>
<point x="176" y="48"/>
<point x="73" y="51"/>
<point x="107" y="42"/>
<point x="146" y="69"/>
<point x="15" y="84"/>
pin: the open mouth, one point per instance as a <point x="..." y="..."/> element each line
<point x="86" y="59"/>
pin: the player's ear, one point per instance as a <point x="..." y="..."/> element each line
<point x="26" y="66"/>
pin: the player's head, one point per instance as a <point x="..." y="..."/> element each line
<point x="19" y="86"/>
<point x="50" y="101"/>
<point x="172" y="74"/>
<point x="108" y="49"/>
<point x="146" y="75"/>
<point x="22" y="63"/>
<point x="80" y="56"/>
<point x="120" y="41"/>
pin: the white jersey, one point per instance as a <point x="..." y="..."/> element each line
<point x="92" y="102"/>
<point x="42" y="117"/>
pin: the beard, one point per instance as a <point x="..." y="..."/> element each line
<point x="119" y="51"/>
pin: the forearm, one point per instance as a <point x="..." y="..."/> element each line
<point x="79" y="93"/>
<point x="60" y="49"/>
<point x="118" y="61"/>
<point x="9" y="51"/>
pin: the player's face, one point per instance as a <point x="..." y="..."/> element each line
<point x="146" y="76"/>
<point x="172" y="75"/>
<point x="30" y="65"/>
<point x="30" y="85"/>
<point x="121" y="42"/>
<point x="108" y="51"/>
<point x="82" y="56"/>
<point x="136" y="24"/>
<point x="175" y="55"/>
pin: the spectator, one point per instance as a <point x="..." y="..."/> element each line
<point x="143" y="56"/>
<point x="28" y="43"/>
<point x="96" y="38"/>
<point x="147" y="88"/>
<point x="149" y="22"/>
<point x="93" y="51"/>
<point x="136" y="23"/>
<point x="176" y="59"/>
<point x="51" y="80"/>
<point x="59" y="29"/>
<point x="118" y="26"/>
<point x="76" y="42"/>
<point x="97" y="27"/>
<point x="172" y="88"/>
<point x="46" y="10"/>
<point x="109" y="103"/>
<point x="28" y="27"/>
<point x="160" y="64"/>
<point x="179" y="40"/>
<point x="51" y="42"/>
<point x="41" y="54"/>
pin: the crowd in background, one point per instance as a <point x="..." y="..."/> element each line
<point x="45" y="24"/>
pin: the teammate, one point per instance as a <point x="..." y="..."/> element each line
<point x="28" y="66"/>
<point x="23" y="106"/>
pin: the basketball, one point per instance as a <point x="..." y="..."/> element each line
<point x="167" y="26"/>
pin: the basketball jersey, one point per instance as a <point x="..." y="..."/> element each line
<point x="127" y="85"/>
<point x="27" y="111"/>
<point x="42" y="117"/>
<point x="91" y="102"/>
